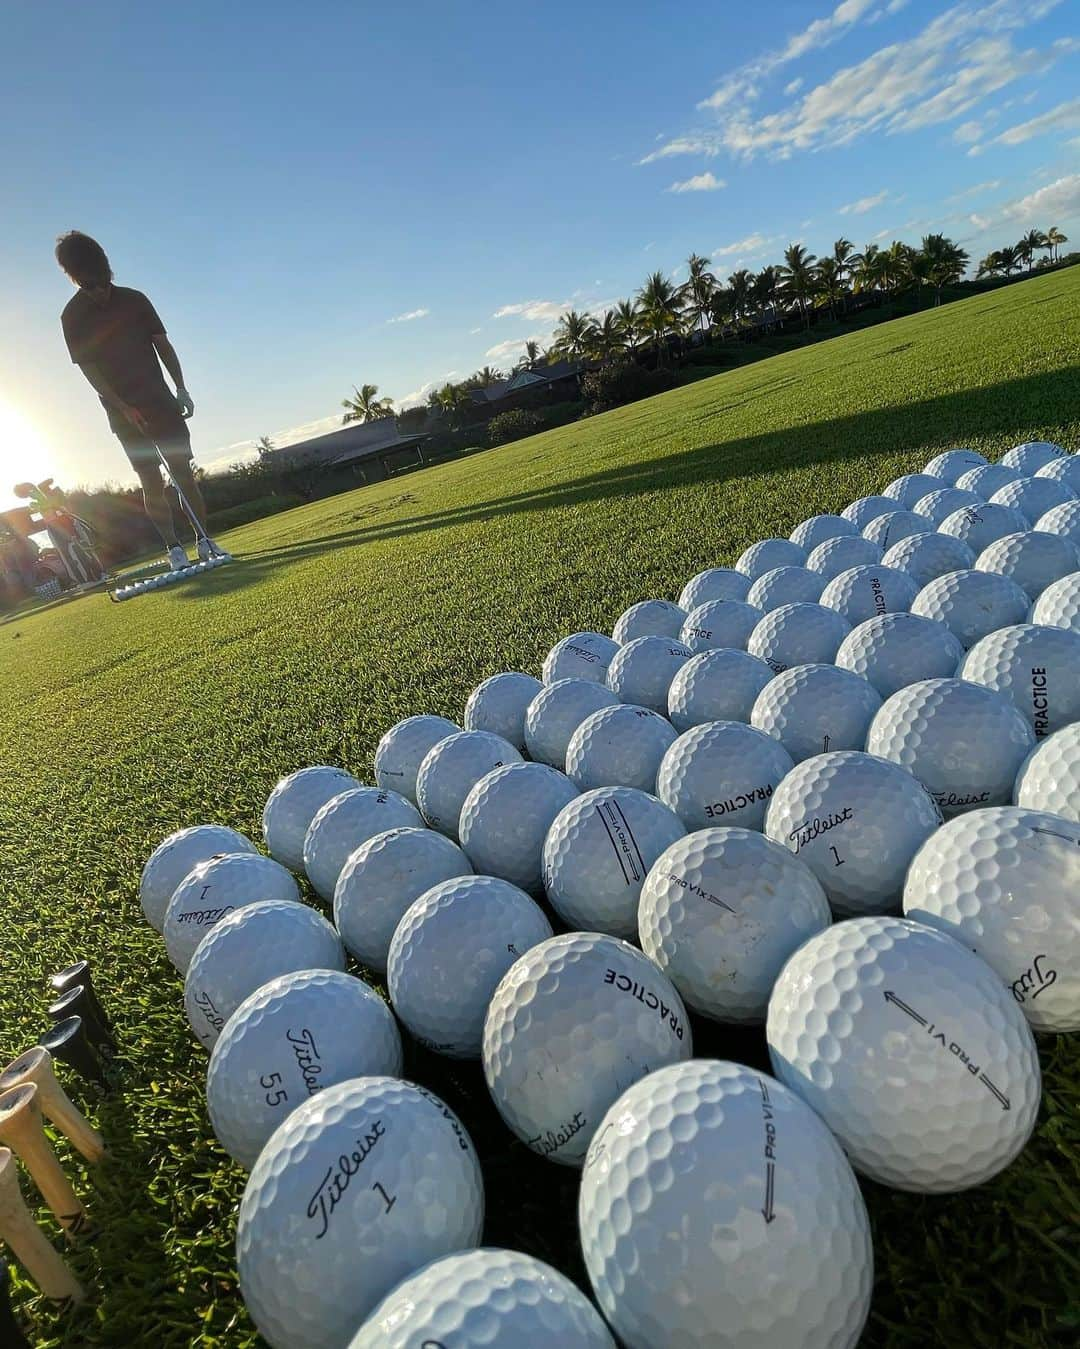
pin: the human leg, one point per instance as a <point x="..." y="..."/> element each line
<point x="155" y="502"/>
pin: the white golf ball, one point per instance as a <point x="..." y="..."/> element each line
<point x="938" y="506"/>
<point x="345" y="822"/>
<point x="1059" y="604"/>
<point x="809" y="533"/>
<point x="718" y="583"/>
<point x="382" y="878"/>
<point x="1063" y="520"/>
<point x="718" y="625"/>
<point x="1031" y="455"/>
<point x="811" y="709"/>
<point x="597" y="854"/>
<point x="985" y="480"/>
<point x="856" y="821"/>
<point x="1034" y="666"/>
<point x="721" y="773"/>
<point x="572" y="1024"/>
<point x="555" y="714"/>
<point x="401" y="751"/>
<point x="890" y="528"/>
<point x="498" y="704"/>
<point x="865" y="509"/>
<point x="485" y="1299"/>
<point x="212" y="890"/>
<point x="248" y="949"/>
<point x="972" y="603"/>
<point x="1004" y="882"/>
<point x="911" y="488"/>
<point x="619" y="746"/>
<point x="833" y="556"/>
<point x="293" y="804"/>
<point x="1065" y="469"/>
<point x="716" y="686"/>
<point x="360" y="1187"/>
<point x="649" y="618"/>
<point x="506" y="816"/>
<point x="1033" y="559"/>
<point x="979" y="526"/>
<point x="452" y="769"/>
<point x="721" y="911"/>
<point x="1049" y="778"/>
<point x="582" y="655"/>
<point x="716" y="1208"/>
<point x="910" y="1049"/>
<point x="864" y="592"/>
<point x="952" y="463"/>
<point x="290" y="1039"/>
<point x="176" y="856"/>
<point x="785" y="585"/>
<point x="643" y="669"/>
<point x="899" y="649"/>
<point x="797" y="634"/>
<point x="449" y="952"/>
<point x="766" y="554"/>
<point x="1032" y="497"/>
<point x="926" y="556"/>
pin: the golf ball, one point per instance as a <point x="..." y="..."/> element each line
<point x="1049" y="778"/>
<point x="811" y="709"/>
<point x="212" y="890"/>
<point x="972" y="603"/>
<point x="796" y="634"/>
<point x="952" y="463"/>
<point x="293" y="804"/>
<point x="1065" y="469"/>
<point x="1031" y="455"/>
<point x="926" y="556"/>
<point x="979" y="526"/>
<point x="833" y="556"/>
<point x="1063" y="520"/>
<point x="506" y="816"/>
<point x="582" y="655"/>
<point x="865" y="509"/>
<point x="642" y="671"/>
<point x="716" y="686"/>
<point x="938" y="506"/>
<point x="1036" y="667"/>
<point x="719" y="624"/>
<point x="401" y="752"/>
<point x="911" y="488"/>
<point x="864" y="592"/>
<point x="718" y="583"/>
<point x="898" y="649"/>
<point x="176" y="856"/>
<point x="498" y="704"/>
<point x="985" y="480"/>
<point x="1032" y="497"/>
<point x="649" y="618"/>
<point x="452" y="769"/>
<point x="555" y="714"/>
<point x="818" y="528"/>
<point x="890" y="528"/>
<point x="785" y="585"/>
<point x="1032" y="559"/>
<point x="619" y="746"/>
<point x="345" y="822"/>
<point x="1059" y="604"/>
<point x="721" y="772"/>
<point x="766" y="554"/>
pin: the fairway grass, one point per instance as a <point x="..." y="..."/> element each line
<point x="122" y="722"/>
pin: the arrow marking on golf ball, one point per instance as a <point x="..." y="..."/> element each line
<point x="623" y="842"/>
<point x="768" y="1212"/>
<point x="952" y="1046"/>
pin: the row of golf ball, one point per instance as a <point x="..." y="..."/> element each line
<point x="167" y="578"/>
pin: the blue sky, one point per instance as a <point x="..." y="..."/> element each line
<point x="325" y="195"/>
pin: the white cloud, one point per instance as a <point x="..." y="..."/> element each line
<point x="967" y="133"/>
<point x="976" y="190"/>
<point x="882" y="234"/>
<point x="1062" y="118"/>
<point x="1049" y="205"/>
<point x="793" y="86"/>
<point x="533" y="310"/>
<point x="410" y="316"/>
<point x="701" y="182"/>
<point x="683" y="145"/>
<point x="864" y="204"/>
<point x="753" y="243"/>
<point x="474" y="331"/>
<point x="503" y="351"/>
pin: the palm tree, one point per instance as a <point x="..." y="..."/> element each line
<point x="945" y="262"/>
<point x="764" y="289"/>
<point x="740" y="286"/>
<point x="659" y="307"/>
<point x="1054" y="240"/>
<point x="487" y="376"/>
<point x="991" y="265"/>
<point x="722" y="307"/>
<point x="698" y="290"/>
<point x="797" y="277"/>
<point x="1008" y="259"/>
<point x="1029" y="245"/>
<point x="607" y="337"/>
<point x="366" y="405"/>
<point x="896" y="265"/>
<point x="629" y="320"/>
<point x="573" y="335"/>
<point x="829" y="275"/>
<point x="867" y="269"/>
<point x="449" y="400"/>
<point x="531" y="357"/>
<point x="265" y="447"/>
<point x="843" y="251"/>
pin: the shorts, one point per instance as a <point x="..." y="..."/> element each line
<point x="167" y="431"/>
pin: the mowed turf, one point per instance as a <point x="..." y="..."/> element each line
<point x="120" y="723"/>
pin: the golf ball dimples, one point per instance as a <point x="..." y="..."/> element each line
<point x="865" y="509"/>
<point x="938" y="506"/>
<point x="582" y="655"/>
<point x="498" y="704"/>
<point x="642" y="671"/>
<point x="795" y="634"/>
<point x="972" y="603"/>
<point x="1065" y="470"/>
<point x="344" y="823"/>
<point x="810" y="709"/>
<point x="213" y="890"/>
<point x="573" y="1023"/>
<point x="402" y="749"/>
<point x="382" y="878"/>
<point x="785" y="585"/>
<point x="1063" y="520"/>
<point x="899" y="649"/>
<point x="719" y="624"/>
<point x="818" y="528"/>
<point x="963" y="742"/>
<point x="766" y="554"/>
<point x="598" y="852"/>
<point x="619" y="746"/>
<point x="911" y="1050"/>
<point x="1032" y="497"/>
<point x="979" y="526"/>
<point x="1031" y="455"/>
<point x="506" y="816"/>
<point x="890" y="528"/>
<point x="358" y="1188"/>
<point x="925" y="556"/>
<point x="722" y="772"/>
<point x="1049" y="778"/>
<point x="985" y="480"/>
<point x="1059" y="604"/>
<point x="649" y="618"/>
<point x="718" y="583"/>
<point x="439" y="996"/>
<point x="555" y="714"/>
<point x="485" y="1299"/>
<point x="910" y="488"/>
<point x="293" y="804"/>
<point x="176" y="856"/>
<point x="450" y="771"/>
<point x="856" y="821"/>
<point x="290" y="1039"/>
<point x="1036" y="667"/>
<point x="248" y="949"/>
<point x="952" y="463"/>
<point x="864" y="592"/>
<point x="1004" y="883"/>
<point x="833" y="556"/>
<point x="716" y="1208"/>
<point x="1032" y="559"/>
<point x="716" y="686"/>
<point x="720" y="913"/>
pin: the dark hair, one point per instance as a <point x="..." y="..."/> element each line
<point x="83" y="259"/>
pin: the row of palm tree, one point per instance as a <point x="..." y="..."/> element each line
<point x="1005" y="261"/>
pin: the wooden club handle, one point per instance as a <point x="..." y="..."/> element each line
<point x="20" y="1129"/>
<point x="26" y="1239"/>
<point x="36" y="1066"/>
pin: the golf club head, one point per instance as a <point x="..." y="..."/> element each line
<point x="78" y="1001"/>
<point x="69" y="1042"/>
<point x="79" y="973"/>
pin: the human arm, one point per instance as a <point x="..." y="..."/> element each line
<point x="169" y="359"/>
<point x="101" y="385"/>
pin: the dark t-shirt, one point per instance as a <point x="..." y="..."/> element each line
<point x="115" y="337"/>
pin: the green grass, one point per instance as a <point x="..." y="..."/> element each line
<point x="120" y="723"/>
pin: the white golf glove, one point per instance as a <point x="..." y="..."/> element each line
<point x="184" y="403"/>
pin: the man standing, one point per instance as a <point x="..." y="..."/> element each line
<point x="115" y="337"/>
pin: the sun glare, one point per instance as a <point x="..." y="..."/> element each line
<point x="24" y="454"/>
